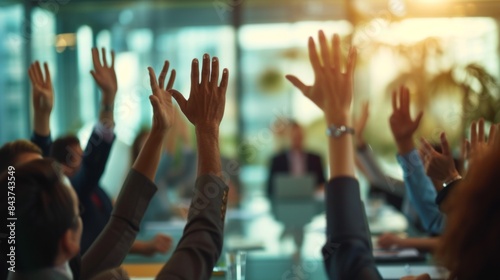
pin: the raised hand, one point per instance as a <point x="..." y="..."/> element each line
<point x="42" y="94"/>
<point x="333" y="88"/>
<point x="479" y="143"/>
<point x="161" y="99"/>
<point x="205" y="106"/>
<point x="42" y="91"/>
<point x="402" y="125"/>
<point x="438" y="166"/>
<point x="105" y="76"/>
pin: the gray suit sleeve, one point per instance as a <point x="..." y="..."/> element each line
<point x="374" y="173"/>
<point x="201" y="243"/>
<point x="114" y="242"/>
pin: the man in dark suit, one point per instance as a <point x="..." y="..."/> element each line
<point x="295" y="161"/>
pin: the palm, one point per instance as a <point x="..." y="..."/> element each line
<point x="163" y="107"/>
<point x="205" y="106"/>
<point x="332" y="89"/>
<point x="104" y="75"/>
<point x="402" y="125"/>
<point x="42" y="91"/>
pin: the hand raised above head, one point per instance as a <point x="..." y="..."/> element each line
<point x="479" y="143"/>
<point x="105" y="76"/>
<point x="42" y="92"/>
<point x="205" y="106"/>
<point x="402" y="125"/>
<point x="438" y="166"/>
<point x="332" y="90"/>
<point x="161" y="99"/>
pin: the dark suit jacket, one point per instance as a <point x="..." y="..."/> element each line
<point x="347" y="253"/>
<point x="114" y="242"/>
<point x="281" y="164"/>
<point x="201" y="243"/>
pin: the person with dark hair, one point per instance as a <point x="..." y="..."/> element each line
<point x="67" y="150"/>
<point x="49" y="224"/>
<point x="12" y="153"/>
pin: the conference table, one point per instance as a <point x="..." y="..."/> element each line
<point x="270" y="255"/>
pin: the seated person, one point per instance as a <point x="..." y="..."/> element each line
<point x="295" y="161"/>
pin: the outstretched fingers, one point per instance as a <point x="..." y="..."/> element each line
<point x="205" y="71"/>
<point x="214" y="78"/>
<point x="163" y="74"/>
<point x="95" y="58"/>
<point x="152" y="80"/>
<point x="171" y="81"/>
<point x="313" y="57"/>
<point x="325" y="50"/>
<point x="224" y="80"/>
<point x="195" y="73"/>
<point x="337" y="53"/>
<point x="104" y="60"/>
<point x="351" y="64"/>
<point x="48" y="81"/>
<point x="445" y="146"/>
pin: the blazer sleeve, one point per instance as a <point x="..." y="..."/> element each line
<point x="114" y="242"/>
<point x="374" y="173"/>
<point x="201" y="243"/>
<point x="94" y="160"/>
<point x="347" y="253"/>
<point x="43" y="142"/>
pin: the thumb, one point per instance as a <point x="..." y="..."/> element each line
<point x="297" y="83"/>
<point x="179" y="98"/>
<point x="445" y="147"/>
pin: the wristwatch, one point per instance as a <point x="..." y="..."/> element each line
<point x="454" y="179"/>
<point x="337" y="131"/>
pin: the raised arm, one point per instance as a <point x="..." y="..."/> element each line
<point x="42" y="96"/>
<point x="101" y="140"/>
<point x="201" y="243"/>
<point x="105" y="77"/>
<point x="477" y="145"/>
<point x="347" y="253"/>
<point x="366" y="161"/>
<point x="419" y="186"/>
<point x="115" y="241"/>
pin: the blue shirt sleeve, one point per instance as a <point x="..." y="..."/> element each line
<point x="421" y="192"/>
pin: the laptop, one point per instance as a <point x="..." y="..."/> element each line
<point x="294" y="187"/>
